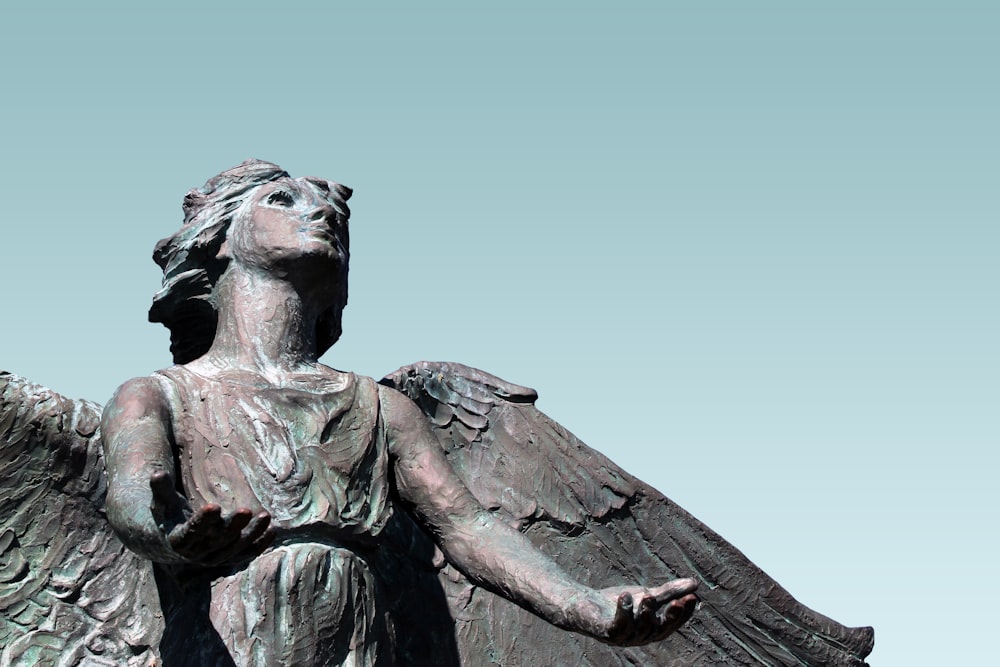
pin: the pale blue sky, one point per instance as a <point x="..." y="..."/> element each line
<point x="748" y="252"/>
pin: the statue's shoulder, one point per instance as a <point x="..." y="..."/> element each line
<point x="142" y="393"/>
<point x="178" y="381"/>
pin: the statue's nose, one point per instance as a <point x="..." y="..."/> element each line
<point x="325" y="212"/>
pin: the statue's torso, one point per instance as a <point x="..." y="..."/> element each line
<point x="315" y="458"/>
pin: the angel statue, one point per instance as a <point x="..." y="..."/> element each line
<point x="252" y="506"/>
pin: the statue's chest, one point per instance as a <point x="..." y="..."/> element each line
<point x="305" y="457"/>
<point x="283" y="435"/>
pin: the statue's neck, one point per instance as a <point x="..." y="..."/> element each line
<point x="265" y="324"/>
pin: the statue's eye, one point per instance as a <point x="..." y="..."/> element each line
<point x="280" y="198"/>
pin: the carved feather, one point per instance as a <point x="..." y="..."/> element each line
<point x="70" y="593"/>
<point x="605" y="527"/>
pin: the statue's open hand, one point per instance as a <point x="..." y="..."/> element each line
<point x="635" y="615"/>
<point x="207" y="536"/>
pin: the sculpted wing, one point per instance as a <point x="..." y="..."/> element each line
<point x="605" y="527"/>
<point x="70" y="592"/>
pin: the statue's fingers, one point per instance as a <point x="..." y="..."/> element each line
<point x="645" y="619"/>
<point x="256" y="537"/>
<point x="645" y="615"/>
<point x="675" y="589"/>
<point x="676" y="613"/>
<point x="215" y="538"/>
<point x="165" y="496"/>
<point x="666" y="620"/>
<point x="169" y="508"/>
<point x="690" y="603"/>
<point x="202" y="527"/>
<point x="670" y="614"/>
<point x="207" y="517"/>
<point x="238" y="520"/>
<point x="160" y="485"/>
<point x="265" y="540"/>
<point x="258" y="534"/>
<point x="217" y="541"/>
<point x="212" y="546"/>
<point x="621" y="626"/>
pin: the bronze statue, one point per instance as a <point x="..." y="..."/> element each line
<point x="278" y="511"/>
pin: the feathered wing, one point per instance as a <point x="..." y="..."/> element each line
<point x="605" y="527"/>
<point x="70" y="592"/>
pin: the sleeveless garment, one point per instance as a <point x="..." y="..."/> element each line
<point x="316" y="459"/>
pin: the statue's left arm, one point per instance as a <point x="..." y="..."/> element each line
<point x="493" y="554"/>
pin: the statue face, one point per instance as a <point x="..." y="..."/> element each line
<point x="284" y="221"/>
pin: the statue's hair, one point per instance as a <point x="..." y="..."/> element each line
<point x="186" y="304"/>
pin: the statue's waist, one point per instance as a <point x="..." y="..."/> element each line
<point x="326" y="535"/>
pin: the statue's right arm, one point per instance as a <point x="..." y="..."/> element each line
<point x="144" y="504"/>
<point x="135" y="430"/>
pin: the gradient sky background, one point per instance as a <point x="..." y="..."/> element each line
<point x="748" y="252"/>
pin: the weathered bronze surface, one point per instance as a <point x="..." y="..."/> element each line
<point x="260" y="508"/>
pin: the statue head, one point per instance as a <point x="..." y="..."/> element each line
<point x="193" y="264"/>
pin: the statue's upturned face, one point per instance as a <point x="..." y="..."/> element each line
<point x="284" y="221"/>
